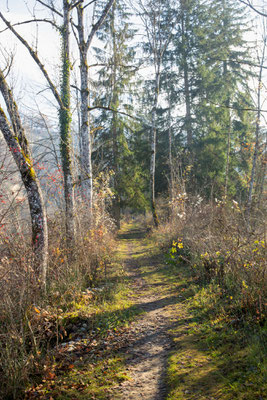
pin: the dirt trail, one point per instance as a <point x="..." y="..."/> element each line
<point x="149" y="341"/>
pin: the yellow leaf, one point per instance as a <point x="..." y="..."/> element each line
<point x="36" y="310"/>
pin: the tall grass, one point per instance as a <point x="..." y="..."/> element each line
<point x="217" y="243"/>
<point x="31" y="321"/>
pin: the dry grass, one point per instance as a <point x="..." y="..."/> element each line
<point x="31" y="321"/>
<point x="219" y="246"/>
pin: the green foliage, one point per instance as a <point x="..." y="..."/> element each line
<point x="115" y="137"/>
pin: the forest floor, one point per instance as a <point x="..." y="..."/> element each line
<point x="152" y="340"/>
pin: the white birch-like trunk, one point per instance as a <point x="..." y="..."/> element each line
<point x="86" y="138"/>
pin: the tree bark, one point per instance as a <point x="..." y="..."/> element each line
<point x="188" y="115"/>
<point x="170" y="150"/>
<point x="114" y="128"/>
<point x="257" y="130"/>
<point x="227" y="108"/>
<point x="17" y="142"/>
<point x="86" y="138"/>
<point x="65" y="128"/>
<point x="153" y="147"/>
<point x="63" y="100"/>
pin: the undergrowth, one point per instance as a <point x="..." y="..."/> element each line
<point x="221" y="344"/>
<point x="85" y="286"/>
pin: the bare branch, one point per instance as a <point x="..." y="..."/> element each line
<point x="99" y="23"/>
<point x="87" y="5"/>
<point x="33" y="20"/>
<point x="36" y="59"/>
<point x="50" y="8"/>
<point x="75" y="87"/>
<point x="239" y="108"/>
<point x="248" y="3"/>
<point x="251" y="64"/>
<point x="117" y="111"/>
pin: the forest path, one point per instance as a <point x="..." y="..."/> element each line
<point x="149" y="343"/>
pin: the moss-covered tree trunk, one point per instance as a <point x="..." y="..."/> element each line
<point x="65" y="128"/>
<point x="16" y="140"/>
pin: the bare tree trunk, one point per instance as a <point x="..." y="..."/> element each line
<point x="153" y="148"/>
<point x="86" y="137"/>
<point x="188" y="116"/>
<point x="170" y="151"/>
<point x="227" y="158"/>
<point x="116" y="202"/>
<point x="17" y="142"/>
<point x="227" y="105"/>
<point x="228" y="130"/>
<point x="257" y="129"/>
<point x="114" y="128"/>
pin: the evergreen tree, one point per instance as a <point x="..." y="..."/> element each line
<point x="209" y="50"/>
<point x="116" y="78"/>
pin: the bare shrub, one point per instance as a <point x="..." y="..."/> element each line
<point x="31" y="321"/>
<point x="221" y="248"/>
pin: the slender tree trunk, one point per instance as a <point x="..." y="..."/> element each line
<point x="170" y="151"/>
<point x="227" y="105"/>
<point x="65" y="129"/>
<point x="114" y="105"/>
<point x="86" y="138"/>
<point x="188" y="125"/>
<point x="153" y="147"/>
<point x="227" y="158"/>
<point x="17" y="142"/>
<point x="257" y="130"/>
<point x="188" y="115"/>
<point x="116" y="202"/>
<point x="228" y="131"/>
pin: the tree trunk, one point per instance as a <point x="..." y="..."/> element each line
<point x="86" y="138"/>
<point x="188" y="116"/>
<point x="170" y="151"/>
<point x="63" y="101"/>
<point x="65" y="129"/>
<point x="228" y="131"/>
<point x="257" y="130"/>
<point x="17" y="142"/>
<point x="153" y="149"/>
<point x="114" y="128"/>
